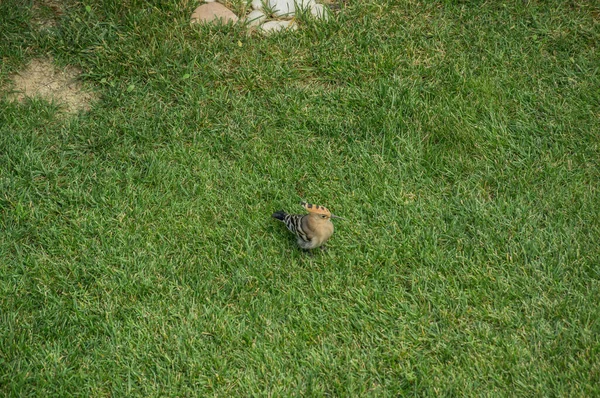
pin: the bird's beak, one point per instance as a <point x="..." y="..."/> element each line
<point x="334" y="216"/>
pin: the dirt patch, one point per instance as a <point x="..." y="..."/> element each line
<point x="42" y="79"/>
<point x="45" y="13"/>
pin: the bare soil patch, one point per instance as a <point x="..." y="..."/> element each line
<point x="46" y="13"/>
<point x="42" y="79"/>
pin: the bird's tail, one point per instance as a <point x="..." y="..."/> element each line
<point x="280" y="215"/>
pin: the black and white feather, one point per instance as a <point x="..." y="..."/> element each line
<point x="311" y="230"/>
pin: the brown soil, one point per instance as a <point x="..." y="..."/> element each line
<point x="45" y="13"/>
<point x="42" y="79"/>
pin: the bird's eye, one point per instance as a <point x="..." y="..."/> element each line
<point x="323" y="216"/>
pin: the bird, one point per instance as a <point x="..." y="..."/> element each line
<point x="312" y="230"/>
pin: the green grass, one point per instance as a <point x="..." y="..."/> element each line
<point x="460" y="140"/>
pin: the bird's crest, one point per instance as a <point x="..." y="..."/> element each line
<point x="316" y="209"/>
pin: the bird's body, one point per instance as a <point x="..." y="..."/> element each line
<point x="312" y="230"/>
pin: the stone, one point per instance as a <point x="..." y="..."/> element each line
<point x="257" y="5"/>
<point x="320" y="11"/>
<point x="282" y="8"/>
<point x="305" y="4"/>
<point x="255" y="18"/>
<point x="209" y="1"/>
<point x="287" y="8"/>
<point x="213" y="12"/>
<point x="277" y="26"/>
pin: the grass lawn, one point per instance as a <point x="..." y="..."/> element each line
<point x="460" y="140"/>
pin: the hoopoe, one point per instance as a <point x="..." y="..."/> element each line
<point x="313" y="229"/>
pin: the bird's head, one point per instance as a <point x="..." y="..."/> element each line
<point x="317" y="211"/>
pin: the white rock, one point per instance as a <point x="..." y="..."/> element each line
<point x="277" y="26"/>
<point x="209" y="1"/>
<point x="282" y="8"/>
<point x="305" y="4"/>
<point x="212" y="12"/>
<point x="289" y="25"/>
<point x="255" y="18"/>
<point x="257" y="4"/>
<point x="320" y="11"/>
